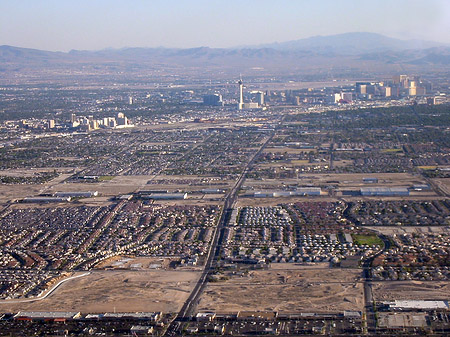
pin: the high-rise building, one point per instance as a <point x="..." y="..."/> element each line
<point x="347" y="97"/>
<point x="122" y="120"/>
<point x="260" y="98"/>
<point x="241" y="94"/>
<point x="336" y="98"/>
<point x="387" y="91"/>
<point x="51" y="124"/>
<point x="361" y="87"/>
<point x="130" y="100"/>
<point x="215" y="100"/>
<point x="73" y="118"/>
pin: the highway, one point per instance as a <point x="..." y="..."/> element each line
<point x="187" y="311"/>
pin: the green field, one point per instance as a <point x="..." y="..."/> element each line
<point x="391" y="150"/>
<point x="106" y="178"/>
<point x="367" y="239"/>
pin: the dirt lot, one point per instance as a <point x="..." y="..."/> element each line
<point x="122" y="185"/>
<point x="242" y="202"/>
<point x="117" y="185"/>
<point x="123" y="262"/>
<point x="399" y="230"/>
<point x="123" y="291"/>
<point x="444" y="184"/>
<point x="411" y="290"/>
<point x="341" y="180"/>
<point x="287" y="290"/>
<point x="19" y="191"/>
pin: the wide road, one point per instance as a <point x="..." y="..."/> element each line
<point x="187" y="311"/>
<point x="368" y="295"/>
<point x="48" y="293"/>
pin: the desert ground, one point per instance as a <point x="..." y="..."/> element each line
<point x="286" y="290"/>
<point x="399" y="230"/>
<point x="342" y="180"/>
<point x="122" y="185"/>
<point x="122" y="291"/>
<point x="443" y="184"/>
<point x="411" y="290"/>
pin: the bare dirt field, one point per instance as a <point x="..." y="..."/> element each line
<point x="122" y="291"/>
<point x="11" y="192"/>
<point x="123" y="185"/>
<point x="288" y="290"/>
<point x="136" y="263"/>
<point x="444" y="184"/>
<point x="186" y="183"/>
<point x="341" y="180"/>
<point x="242" y="202"/>
<point x="411" y="290"/>
<point x="117" y="185"/>
<point x="399" y="230"/>
<point x="287" y="149"/>
<point x="18" y="191"/>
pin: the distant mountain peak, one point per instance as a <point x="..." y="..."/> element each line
<point x="354" y="43"/>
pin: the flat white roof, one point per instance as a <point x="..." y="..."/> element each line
<point x="419" y="304"/>
<point x="47" y="314"/>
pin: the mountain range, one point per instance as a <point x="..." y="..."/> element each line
<point x="351" y="50"/>
<point x="351" y="44"/>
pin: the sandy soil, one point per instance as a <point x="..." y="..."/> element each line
<point x="342" y="180"/>
<point x="123" y="291"/>
<point x="411" y="290"/>
<point x="399" y="230"/>
<point x="141" y="263"/>
<point x="294" y="290"/>
<point x="11" y="192"/>
<point x="444" y="184"/>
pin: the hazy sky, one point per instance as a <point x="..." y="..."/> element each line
<point x="96" y="24"/>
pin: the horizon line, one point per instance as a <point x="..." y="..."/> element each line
<point x="254" y="46"/>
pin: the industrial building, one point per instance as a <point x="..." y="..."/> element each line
<point x="384" y="191"/>
<point x="152" y="316"/>
<point x="88" y="194"/>
<point x="165" y="196"/>
<point x="370" y="180"/>
<point x="143" y="192"/>
<point x="214" y="100"/>
<point x="302" y="191"/>
<point x="421" y="187"/>
<point x="213" y="191"/>
<point x="46" y="315"/>
<point x="402" y="305"/>
<point x="46" y="199"/>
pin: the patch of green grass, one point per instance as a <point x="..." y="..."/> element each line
<point x="106" y="178"/>
<point x="391" y="150"/>
<point x="427" y="167"/>
<point x="367" y="240"/>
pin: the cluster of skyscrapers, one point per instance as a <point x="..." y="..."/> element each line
<point x="400" y="85"/>
<point x="257" y="99"/>
<point x="89" y="123"/>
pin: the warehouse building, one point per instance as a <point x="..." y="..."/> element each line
<point x="370" y="180"/>
<point x="46" y="199"/>
<point x="302" y="191"/>
<point x="384" y="191"/>
<point x="213" y="191"/>
<point x="402" y="305"/>
<point x="46" y="316"/>
<point x="166" y="196"/>
<point x="88" y="194"/>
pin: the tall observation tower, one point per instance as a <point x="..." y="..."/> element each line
<point x="241" y="94"/>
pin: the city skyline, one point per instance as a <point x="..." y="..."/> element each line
<point x="84" y="25"/>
